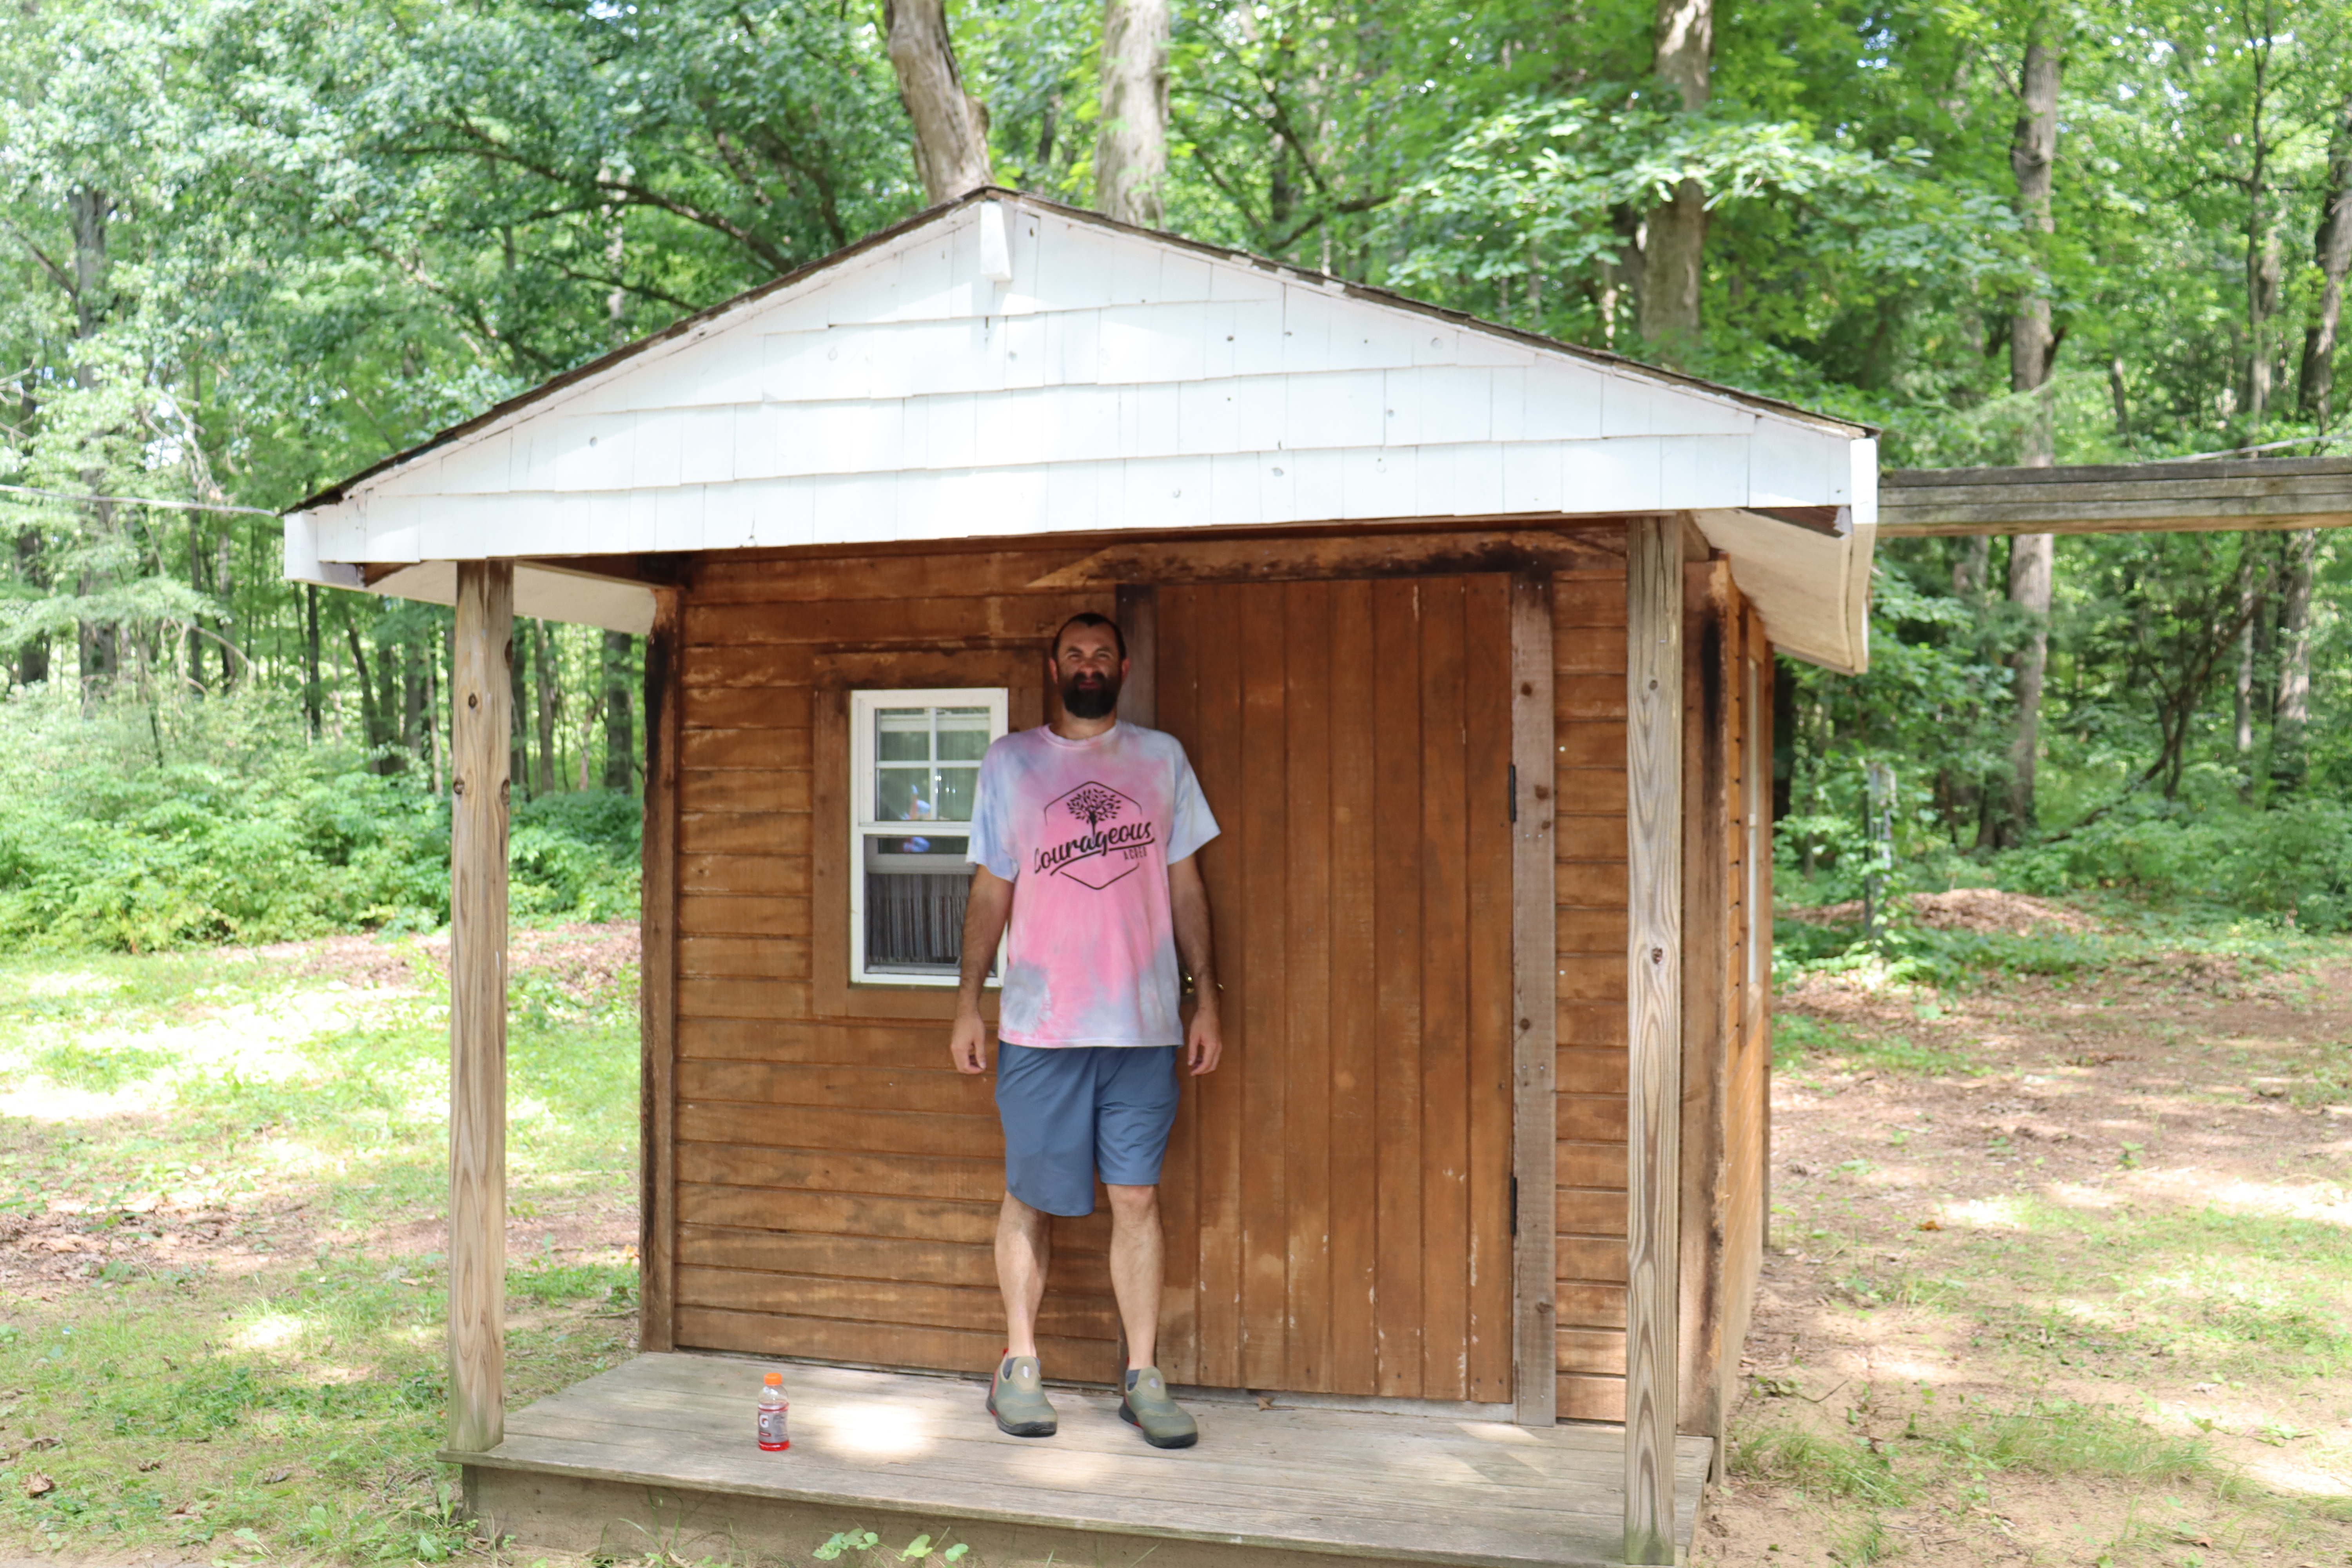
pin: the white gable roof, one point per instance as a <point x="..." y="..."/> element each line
<point x="1004" y="366"/>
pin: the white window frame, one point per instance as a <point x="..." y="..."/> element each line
<point x="862" y="825"/>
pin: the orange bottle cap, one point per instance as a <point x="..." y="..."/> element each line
<point x="775" y="1380"/>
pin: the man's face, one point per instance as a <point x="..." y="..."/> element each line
<point x="1087" y="666"/>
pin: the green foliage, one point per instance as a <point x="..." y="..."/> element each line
<point x="141" y="828"/>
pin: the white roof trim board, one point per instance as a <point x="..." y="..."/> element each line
<point x="1006" y="367"/>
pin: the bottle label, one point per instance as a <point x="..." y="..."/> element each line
<point x="771" y="1428"/>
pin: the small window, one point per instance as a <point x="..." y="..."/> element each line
<point x="914" y="772"/>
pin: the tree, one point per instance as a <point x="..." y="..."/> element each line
<point x="2331" y="249"/>
<point x="1674" y="256"/>
<point x="951" y="126"/>
<point x="1131" y="138"/>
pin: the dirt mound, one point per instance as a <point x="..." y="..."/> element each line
<point x="1981" y="910"/>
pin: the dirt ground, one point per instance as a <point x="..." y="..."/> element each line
<point x="60" y="1247"/>
<point x="2171" y="1088"/>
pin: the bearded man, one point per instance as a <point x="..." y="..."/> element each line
<point x="1082" y="834"/>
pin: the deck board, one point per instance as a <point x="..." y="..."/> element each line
<point x="1397" y="1488"/>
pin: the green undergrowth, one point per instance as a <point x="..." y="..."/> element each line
<point x="139" y="828"/>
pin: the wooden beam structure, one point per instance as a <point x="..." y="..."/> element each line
<point x="1580" y="546"/>
<point x="1653" y="748"/>
<point x="658" y="985"/>
<point x="1535" y="1003"/>
<point x="481" y="706"/>
<point x="1136" y="610"/>
<point x="2217" y="496"/>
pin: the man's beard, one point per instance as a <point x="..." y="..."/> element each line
<point x="1089" y="696"/>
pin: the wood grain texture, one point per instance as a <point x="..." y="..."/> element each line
<point x="1137" y="615"/>
<point x="1490" y="783"/>
<point x="1444" y="959"/>
<point x="2224" y="496"/>
<point x="659" y="996"/>
<point x="1174" y="700"/>
<point x="1355" y="1035"/>
<point x="1308" y="849"/>
<point x="1654" y="692"/>
<point x="1710" y="697"/>
<point x="1396" y="896"/>
<point x="1264" y="1489"/>
<point x="1535" y="993"/>
<point x="1324" y="556"/>
<point x="1262" y="809"/>
<point x="481" y="694"/>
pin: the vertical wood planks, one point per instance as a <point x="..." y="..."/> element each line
<point x="1759" y="929"/>
<point x="1356" y="1036"/>
<point x="1445" y="991"/>
<point x="1175" y="710"/>
<point x="1534" y="998"/>
<point x="1710" y="677"/>
<point x="480" y="704"/>
<point x="657" y="996"/>
<point x="1654" y="690"/>
<point x="1263" y="808"/>
<point x="1137" y="615"/>
<point x="1396" y="898"/>
<point x="1224" y="1105"/>
<point x="1489" y="788"/>
<point x="1306" y="609"/>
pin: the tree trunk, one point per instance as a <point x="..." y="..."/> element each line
<point x="620" y="741"/>
<point x="1674" y="252"/>
<point x="310" y="692"/>
<point x="366" y="683"/>
<point x="2263" y="267"/>
<point x="2294" y="659"/>
<point x="2031" y="563"/>
<point x="2249" y="608"/>
<point x="517" y="708"/>
<point x="2033" y="159"/>
<point x="224" y="588"/>
<point x="2332" y="254"/>
<point x="33" y="660"/>
<point x="951" y="126"/>
<point x="1131" y="140"/>
<point x="542" y="658"/>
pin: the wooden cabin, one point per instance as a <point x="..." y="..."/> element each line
<point x="1469" y="635"/>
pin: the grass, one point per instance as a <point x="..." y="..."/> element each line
<point x="239" y="1168"/>
<point x="2227" y="1285"/>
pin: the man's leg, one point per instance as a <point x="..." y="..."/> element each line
<point x="1024" y="1245"/>
<point x="1136" y="1252"/>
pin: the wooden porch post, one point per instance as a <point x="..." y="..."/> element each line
<point x="1535" y="1003"/>
<point x="480" y="704"/>
<point x="658" y="982"/>
<point x="1654" y="744"/>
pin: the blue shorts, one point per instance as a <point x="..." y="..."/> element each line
<point x="1071" y="1110"/>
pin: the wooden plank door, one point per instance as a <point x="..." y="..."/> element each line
<point x="1338" y="1196"/>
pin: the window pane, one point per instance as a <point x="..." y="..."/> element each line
<point x="914" y="921"/>
<point x="957" y="786"/>
<point x="963" y="734"/>
<point x="902" y="735"/>
<point x="902" y="795"/>
<point x="946" y="849"/>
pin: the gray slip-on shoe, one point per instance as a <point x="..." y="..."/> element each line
<point x="1149" y="1410"/>
<point x="1017" y="1398"/>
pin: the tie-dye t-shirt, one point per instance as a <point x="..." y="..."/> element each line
<point x="1085" y="831"/>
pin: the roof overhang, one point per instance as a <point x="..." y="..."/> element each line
<point x="1004" y="366"/>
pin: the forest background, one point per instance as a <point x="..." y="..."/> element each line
<point x="248" y="248"/>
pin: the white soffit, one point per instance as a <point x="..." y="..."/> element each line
<point x="1006" y="367"/>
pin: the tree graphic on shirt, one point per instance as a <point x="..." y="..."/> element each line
<point x="1093" y="804"/>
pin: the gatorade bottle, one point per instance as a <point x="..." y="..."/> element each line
<point x="773" y="1407"/>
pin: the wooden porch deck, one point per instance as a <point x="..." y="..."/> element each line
<point x="659" y="1452"/>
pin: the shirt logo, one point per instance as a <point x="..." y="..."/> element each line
<point x="1107" y="849"/>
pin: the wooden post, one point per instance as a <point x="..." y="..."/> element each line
<point x="658" y="985"/>
<point x="480" y="703"/>
<point x="1710" y="704"/>
<point x="1535" y="989"/>
<point x="1654" y="744"/>
<point x="1138" y="614"/>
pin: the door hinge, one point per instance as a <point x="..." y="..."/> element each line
<point x="1513" y="772"/>
<point x="1515" y="1205"/>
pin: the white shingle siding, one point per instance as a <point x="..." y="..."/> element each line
<point x="1115" y="380"/>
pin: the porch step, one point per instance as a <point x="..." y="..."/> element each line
<point x="659" y="1454"/>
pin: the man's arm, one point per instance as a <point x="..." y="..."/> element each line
<point x="1188" y="902"/>
<point x="985" y="910"/>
